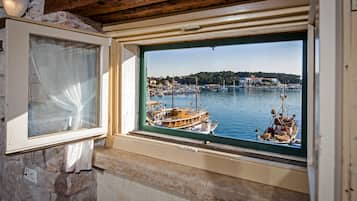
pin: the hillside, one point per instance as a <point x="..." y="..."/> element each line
<point x="229" y="76"/>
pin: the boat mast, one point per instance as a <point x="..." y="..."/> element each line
<point x="196" y="92"/>
<point x="172" y="93"/>
<point x="283" y="97"/>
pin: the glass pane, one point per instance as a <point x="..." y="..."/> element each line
<point x="251" y="92"/>
<point x="63" y="86"/>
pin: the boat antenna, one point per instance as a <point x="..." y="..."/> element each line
<point x="172" y="93"/>
<point x="196" y="91"/>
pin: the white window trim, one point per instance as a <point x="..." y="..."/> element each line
<point x="16" y="93"/>
<point x="128" y="39"/>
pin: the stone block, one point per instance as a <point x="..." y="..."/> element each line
<point x="70" y="184"/>
<point x="54" y="159"/>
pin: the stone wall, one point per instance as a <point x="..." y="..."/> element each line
<point x="52" y="182"/>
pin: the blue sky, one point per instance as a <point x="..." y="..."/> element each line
<point x="283" y="57"/>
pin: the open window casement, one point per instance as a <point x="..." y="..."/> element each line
<point x="312" y="132"/>
<point x="56" y="85"/>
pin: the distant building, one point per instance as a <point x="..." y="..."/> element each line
<point x="258" y="81"/>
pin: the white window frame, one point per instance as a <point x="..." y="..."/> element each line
<point x="17" y="84"/>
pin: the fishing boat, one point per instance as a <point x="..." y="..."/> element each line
<point x="283" y="128"/>
<point x="180" y="118"/>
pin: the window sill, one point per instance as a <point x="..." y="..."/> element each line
<point x="188" y="182"/>
<point x="222" y="148"/>
<point x="272" y="173"/>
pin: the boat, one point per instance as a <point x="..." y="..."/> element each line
<point x="180" y="118"/>
<point x="207" y="127"/>
<point x="283" y="129"/>
<point x="223" y="88"/>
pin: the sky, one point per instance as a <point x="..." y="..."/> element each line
<point x="282" y="57"/>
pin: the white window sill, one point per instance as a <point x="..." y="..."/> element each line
<point x="272" y="173"/>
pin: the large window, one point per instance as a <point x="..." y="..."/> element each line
<point x="248" y="92"/>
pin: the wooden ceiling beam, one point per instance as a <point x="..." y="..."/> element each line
<point x="164" y="8"/>
<point x="105" y="7"/>
<point x="62" y="5"/>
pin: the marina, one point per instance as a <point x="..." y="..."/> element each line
<point x="236" y="112"/>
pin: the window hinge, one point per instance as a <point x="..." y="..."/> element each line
<point x="317" y="143"/>
<point x="1" y="46"/>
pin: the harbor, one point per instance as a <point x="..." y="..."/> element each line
<point x="234" y="111"/>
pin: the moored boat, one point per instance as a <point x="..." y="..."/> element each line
<point x="180" y="118"/>
<point x="283" y="129"/>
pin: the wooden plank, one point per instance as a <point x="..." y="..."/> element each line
<point x="164" y="8"/>
<point x="61" y="5"/>
<point x="112" y="6"/>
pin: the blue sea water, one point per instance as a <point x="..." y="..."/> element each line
<point x="241" y="111"/>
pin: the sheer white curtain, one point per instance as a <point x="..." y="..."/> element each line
<point x="63" y="86"/>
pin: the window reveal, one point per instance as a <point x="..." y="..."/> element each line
<point x="248" y="92"/>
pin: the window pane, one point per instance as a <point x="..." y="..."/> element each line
<point x="63" y="86"/>
<point x="251" y="92"/>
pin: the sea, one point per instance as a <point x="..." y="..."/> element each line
<point x="241" y="112"/>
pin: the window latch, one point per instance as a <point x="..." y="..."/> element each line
<point x="191" y="28"/>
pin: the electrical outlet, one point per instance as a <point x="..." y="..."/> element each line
<point x="30" y="175"/>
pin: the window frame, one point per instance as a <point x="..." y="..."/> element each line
<point x="17" y="43"/>
<point x="98" y="80"/>
<point x="289" y="36"/>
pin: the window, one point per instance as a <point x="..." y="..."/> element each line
<point x="63" y="86"/>
<point x="248" y="92"/>
<point x="57" y="87"/>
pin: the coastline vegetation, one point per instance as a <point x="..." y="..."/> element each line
<point x="228" y="76"/>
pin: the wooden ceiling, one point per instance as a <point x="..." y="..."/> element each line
<point x="120" y="11"/>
